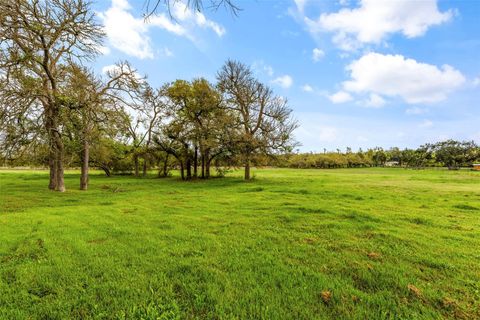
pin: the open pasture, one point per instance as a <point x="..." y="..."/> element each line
<point x="292" y="244"/>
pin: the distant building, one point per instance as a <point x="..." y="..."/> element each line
<point x="476" y="166"/>
<point x="392" y="163"/>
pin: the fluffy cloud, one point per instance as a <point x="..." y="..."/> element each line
<point x="109" y="68"/>
<point x="284" y="81"/>
<point x="117" y="68"/>
<point x="397" y="76"/>
<point x="260" y="66"/>
<point x="374" y="20"/>
<point x="375" y="101"/>
<point x="307" y="88"/>
<point x="317" y="54"/>
<point x="130" y="34"/>
<point x="125" y="32"/>
<point x="340" y="97"/>
<point x="476" y="82"/>
<point x="182" y="13"/>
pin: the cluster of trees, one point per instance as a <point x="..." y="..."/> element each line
<point x="450" y="153"/>
<point x="55" y="111"/>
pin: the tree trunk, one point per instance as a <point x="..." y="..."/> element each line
<point x="144" y="173"/>
<point x="136" y="164"/>
<point x="182" y="173"/>
<point x="188" y="164"/>
<point x="85" y="160"/>
<point x="52" y="154"/>
<point x="165" y="166"/>
<point x="53" y="174"/>
<point x="207" y="163"/>
<point x="207" y="169"/>
<point x="247" y="169"/>
<point x="60" y="186"/>
<point x="106" y="170"/>
<point x="203" y="166"/>
<point x="195" y="162"/>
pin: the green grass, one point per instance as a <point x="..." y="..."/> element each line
<point x="293" y="244"/>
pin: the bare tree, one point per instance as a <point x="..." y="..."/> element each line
<point x="36" y="39"/>
<point x="153" y="6"/>
<point x="262" y="118"/>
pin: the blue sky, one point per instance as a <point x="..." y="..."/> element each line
<point x="356" y="73"/>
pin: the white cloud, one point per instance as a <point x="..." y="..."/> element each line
<point x="183" y="13"/>
<point x="340" y="97"/>
<point x="317" y="54"/>
<point x="284" y="81"/>
<point x="307" y="88"/>
<point x="130" y="34"/>
<point x="300" y="5"/>
<point x="269" y="70"/>
<point x="375" y="101"/>
<point x="164" y="22"/>
<point x="114" y="69"/>
<point x="109" y="68"/>
<point x="476" y="82"/>
<point x="104" y="50"/>
<point x="426" y="124"/>
<point x="395" y="75"/>
<point x="374" y="20"/>
<point x="125" y="32"/>
<point x="261" y="67"/>
<point x="415" y="111"/>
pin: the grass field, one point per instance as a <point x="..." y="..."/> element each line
<point x="292" y="244"/>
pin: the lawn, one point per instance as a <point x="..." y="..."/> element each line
<point x="292" y="244"/>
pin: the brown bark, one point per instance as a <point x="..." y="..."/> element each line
<point x="182" y="173"/>
<point x="60" y="186"/>
<point x="247" y="169"/>
<point x="165" y="166"/>
<point x="51" y="164"/>
<point x="188" y="164"/>
<point x="207" y="169"/>
<point x="58" y="150"/>
<point x="195" y="162"/>
<point x="144" y="170"/>
<point x="207" y="164"/>
<point x="85" y="160"/>
<point x="136" y="163"/>
<point x="51" y="152"/>
<point x="203" y="166"/>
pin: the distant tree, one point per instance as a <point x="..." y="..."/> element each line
<point x="454" y="154"/>
<point x="213" y="125"/>
<point x="263" y="120"/>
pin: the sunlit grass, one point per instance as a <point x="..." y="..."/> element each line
<point x="292" y="244"/>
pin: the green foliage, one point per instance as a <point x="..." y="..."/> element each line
<point x="371" y="243"/>
<point x="450" y="153"/>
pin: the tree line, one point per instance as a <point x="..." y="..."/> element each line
<point x="55" y="110"/>
<point x="450" y="153"/>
